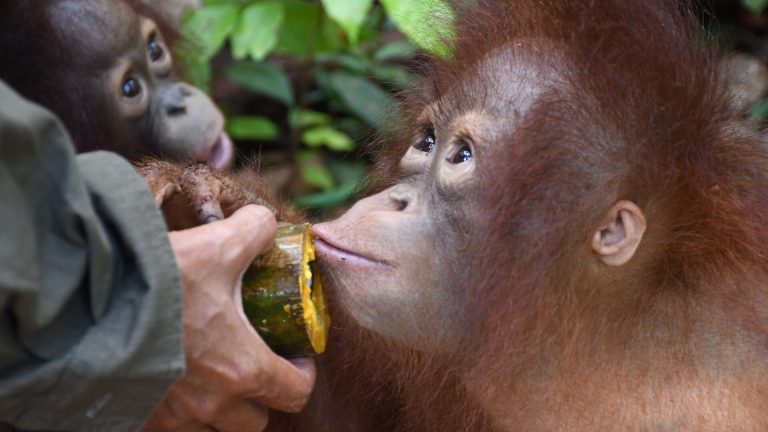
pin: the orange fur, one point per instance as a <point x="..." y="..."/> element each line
<point x="675" y="340"/>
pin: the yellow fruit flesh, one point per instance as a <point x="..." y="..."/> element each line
<point x="315" y="312"/>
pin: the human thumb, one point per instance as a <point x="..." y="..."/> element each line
<point x="250" y="230"/>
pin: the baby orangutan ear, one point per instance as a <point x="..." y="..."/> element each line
<point x="620" y="233"/>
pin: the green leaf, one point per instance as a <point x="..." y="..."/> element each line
<point x="760" y="110"/>
<point x="396" y="50"/>
<point x="348" y="170"/>
<point x="352" y="126"/>
<point x="427" y="23"/>
<point x="258" y="31"/>
<point x="362" y="97"/>
<point x="331" y="198"/>
<point x="263" y="78"/>
<point x="374" y="25"/>
<point x="303" y="118"/>
<point x="298" y="35"/>
<point x="317" y="175"/>
<point x="395" y="76"/>
<point x="222" y="2"/>
<point x="349" y="14"/>
<point x="756" y="6"/>
<point x="350" y="62"/>
<point x="332" y="37"/>
<point x="199" y="75"/>
<point x="252" y="128"/>
<point x="329" y="137"/>
<point x="209" y="27"/>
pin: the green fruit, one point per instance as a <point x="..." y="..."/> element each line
<point x="283" y="295"/>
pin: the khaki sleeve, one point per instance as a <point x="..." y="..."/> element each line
<point x="90" y="296"/>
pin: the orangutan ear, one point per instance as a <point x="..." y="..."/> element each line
<point x="620" y="233"/>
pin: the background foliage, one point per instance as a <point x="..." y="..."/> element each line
<point x="306" y="83"/>
<point x="756" y="6"/>
<point x="303" y="83"/>
<point x="745" y="30"/>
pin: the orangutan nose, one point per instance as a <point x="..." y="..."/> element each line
<point x="401" y="199"/>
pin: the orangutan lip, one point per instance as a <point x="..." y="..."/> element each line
<point x="324" y="248"/>
<point x="219" y="152"/>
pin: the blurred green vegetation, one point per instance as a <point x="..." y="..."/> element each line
<point x="305" y="83"/>
<point x="756" y="6"/>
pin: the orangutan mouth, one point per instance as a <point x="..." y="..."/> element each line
<point x="329" y="251"/>
<point x="221" y="152"/>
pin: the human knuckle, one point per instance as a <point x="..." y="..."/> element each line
<point x="168" y="422"/>
<point x="300" y="401"/>
<point x="262" y="215"/>
<point x="234" y="381"/>
<point x="260" y="417"/>
<point x="262" y="426"/>
<point x="251" y="379"/>
<point x="165" y="418"/>
<point x="225" y="232"/>
<point x="206" y="409"/>
<point x="229" y="244"/>
<point x="202" y="407"/>
<point x="234" y="377"/>
<point x="295" y="407"/>
<point x="300" y="394"/>
<point x="175" y="410"/>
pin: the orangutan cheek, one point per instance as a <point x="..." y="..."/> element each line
<point x="408" y="308"/>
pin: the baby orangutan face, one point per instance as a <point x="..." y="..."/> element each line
<point x="125" y="72"/>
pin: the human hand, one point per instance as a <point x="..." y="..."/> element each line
<point x="232" y="376"/>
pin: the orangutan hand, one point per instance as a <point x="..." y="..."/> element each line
<point x="191" y="194"/>
<point x="232" y="376"/>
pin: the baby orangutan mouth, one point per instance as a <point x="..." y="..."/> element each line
<point x="219" y="154"/>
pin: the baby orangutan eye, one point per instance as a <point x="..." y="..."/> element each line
<point x="427" y="142"/>
<point x="154" y="49"/>
<point x="131" y="88"/>
<point x="464" y="154"/>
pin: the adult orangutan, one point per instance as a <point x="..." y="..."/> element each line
<point x="576" y="239"/>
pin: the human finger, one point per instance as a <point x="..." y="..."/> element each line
<point x="180" y="410"/>
<point x="154" y="426"/>
<point x="249" y="232"/>
<point x="283" y="385"/>
<point x="242" y="415"/>
<point x="252" y="230"/>
<point x="165" y="418"/>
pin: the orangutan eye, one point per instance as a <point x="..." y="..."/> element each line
<point x="463" y="155"/>
<point x="427" y="142"/>
<point x="131" y="88"/>
<point x="154" y="49"/>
